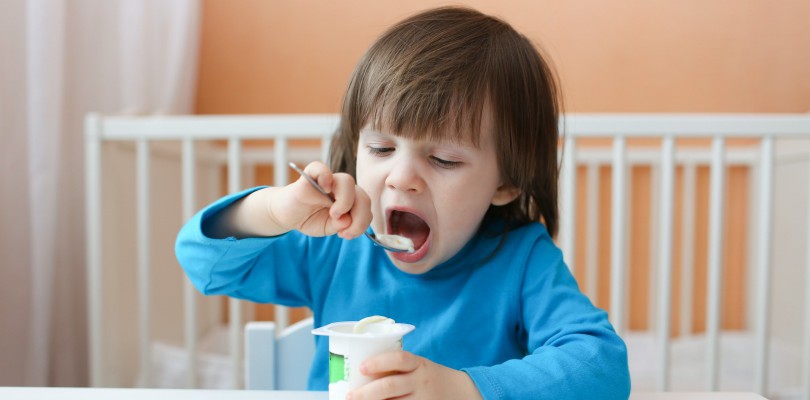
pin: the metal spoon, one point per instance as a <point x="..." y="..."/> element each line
<point x="395" y="243"/>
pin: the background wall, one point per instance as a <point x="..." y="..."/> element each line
<point x="620" y="56"/>
<point x="626" y="56"/>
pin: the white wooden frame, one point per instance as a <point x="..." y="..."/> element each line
<point x="617" y="127"/>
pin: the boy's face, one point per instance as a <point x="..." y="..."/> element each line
<point x="436" y="194"/>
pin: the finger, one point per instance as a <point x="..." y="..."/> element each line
<point x="360" y="215"/>
<point x="344" y="192"/>
<point x="321" y="173"/>
<point x="388" y="362"/>
<point x="394" y="386"/>
<point x="340" y="224"/>
<point x="315" y="202"/>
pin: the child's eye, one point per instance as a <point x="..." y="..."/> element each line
<point x="445" y="163"/>
<point x="380" y="151"/>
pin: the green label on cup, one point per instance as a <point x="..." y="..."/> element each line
<point x="337" y="368"/>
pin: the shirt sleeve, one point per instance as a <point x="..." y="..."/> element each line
<point x="265" y="270"/>
<point x="574" y="352"/>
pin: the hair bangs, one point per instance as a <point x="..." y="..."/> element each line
<point x="429" y="112"/>
<point x="427" y="78"/>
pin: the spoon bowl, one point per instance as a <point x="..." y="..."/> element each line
<point x="394" y="243"/>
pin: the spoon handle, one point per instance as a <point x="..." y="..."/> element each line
<point x="312" y="181"/>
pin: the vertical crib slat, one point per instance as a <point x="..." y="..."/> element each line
<point x="569" y="196"/>
<point x="234" y="306"/>
<point x="280" y="168"/>
<point x="189" y="292"/>
<point x="326" y="143"/>
<point x="665" y="260"/>
<point x="763" y="279"/>
<point x="617" y="267"/>
<point x="653" y="238"/>
<point x="806" y="352"/>
<point x="143" y="228"/>
<point x="92" y="173"/>
<point x="715" y="262"/>
<point x="592" y="233"/>
<point x="280" y="178"/>
<point x="627" y="232"/>
<point x="687" y="248"/>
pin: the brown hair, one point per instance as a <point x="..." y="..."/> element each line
<point x="434" y="73"/>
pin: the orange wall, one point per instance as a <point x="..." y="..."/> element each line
<point x="260" y="56"/>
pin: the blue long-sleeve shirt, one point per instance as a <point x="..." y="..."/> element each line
<point x="515" y="322"/>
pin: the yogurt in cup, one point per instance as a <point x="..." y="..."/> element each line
<point x="351" y="343"/>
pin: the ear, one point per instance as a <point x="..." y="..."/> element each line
<point x="505" y="194"/>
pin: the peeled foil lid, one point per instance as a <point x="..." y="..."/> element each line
<point x="346" y="329"/>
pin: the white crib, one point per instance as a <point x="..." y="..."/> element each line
<point x="178" y="163"/>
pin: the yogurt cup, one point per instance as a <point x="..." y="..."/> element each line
<point x="347" y="350"/>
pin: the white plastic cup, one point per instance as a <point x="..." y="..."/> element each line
<point x="347" y="350"/>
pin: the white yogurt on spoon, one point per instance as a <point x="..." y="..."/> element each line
<point x="396" y="241"/>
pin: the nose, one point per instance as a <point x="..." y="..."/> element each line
<point x="404" y="176"/>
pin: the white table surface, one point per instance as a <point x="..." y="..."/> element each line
<point x="13" y="393"/>
<point x="9" y="393"/>
<point x="696" y="396"/>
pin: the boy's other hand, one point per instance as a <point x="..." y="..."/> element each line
<point x="400" y="374"/>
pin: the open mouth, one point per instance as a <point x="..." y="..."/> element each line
<point x="410" y="225"/>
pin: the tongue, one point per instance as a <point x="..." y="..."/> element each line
<point x="412" y="227"/>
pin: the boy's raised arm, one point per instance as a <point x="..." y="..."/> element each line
<point x="247" y="217"/>
<point x="273" y="211"/>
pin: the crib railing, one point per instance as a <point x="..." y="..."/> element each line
<point x="719" y="128"/>
<point x="664" y="156"/>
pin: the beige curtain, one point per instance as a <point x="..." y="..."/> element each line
<point x="60" y="60"/>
